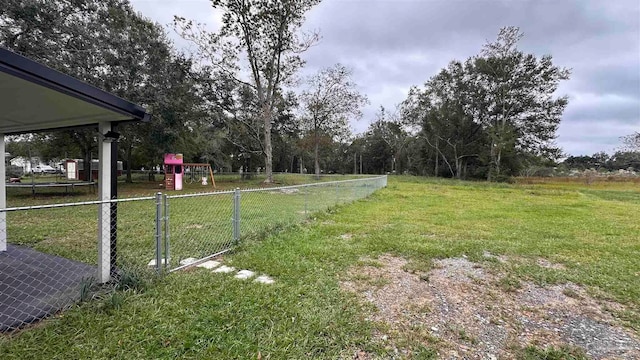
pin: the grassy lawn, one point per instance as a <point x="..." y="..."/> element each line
<point x="199" y="226"/>
<point x="141" y="186"/>
<point x="593" y="231"/>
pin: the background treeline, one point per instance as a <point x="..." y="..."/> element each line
<point x="492" y="116"/>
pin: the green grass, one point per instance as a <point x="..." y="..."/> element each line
<point x="195" y="314"/>
<point x="551" y="353"/>
<point x="199" y="226"/>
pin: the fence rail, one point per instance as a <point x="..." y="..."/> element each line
<point x="53" y="253"/>
<point x="206" y="224"/>
<point x="53" y="256"/>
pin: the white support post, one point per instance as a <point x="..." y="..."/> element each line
<point x="3" y="198"/>
<point x="104" y="210"/>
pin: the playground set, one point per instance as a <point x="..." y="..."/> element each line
<point x="177" y="172"/>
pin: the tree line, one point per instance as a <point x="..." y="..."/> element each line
<point x="238" y="99"/>
<point x="625" y="158"/>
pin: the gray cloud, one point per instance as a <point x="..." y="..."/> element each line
<point x="393" y="44"/>
<point x="622" y="80"/>
<point x="582" y="139"/>
<point x="612" y="108"/>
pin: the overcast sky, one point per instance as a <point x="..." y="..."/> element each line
<point x="393" y="44"/>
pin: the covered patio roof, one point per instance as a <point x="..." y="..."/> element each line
<point x="34" y="97"/>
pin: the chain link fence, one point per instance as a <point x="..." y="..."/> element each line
<point x="196" y="226"/>
<point x="201" y="226"/>
<point x="59" y="254"/>
<point x="54" y="256"/>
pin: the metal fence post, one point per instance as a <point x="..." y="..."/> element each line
<point x="337" y="193"/>
<point x="236" y="216"/>
<point x="158" y="231"/>
<point x="355" y="190"/>
<point x="167" y="243"/>
<point x="306" y="197"/>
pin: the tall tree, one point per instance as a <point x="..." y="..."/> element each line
<point x="109" y="45"/>
<point x="264" y="33"/>
<point x="516" y="92"/>
<point x="330" y="100"/>
<point x="631" y="142"/>
<point x="493" y="110"/>
<point x="623" y="160"/>
<point x="445" y="113"/>
<point x="59" y="35"/>
<point x="377" y="152"/>
<point x="287" y="132"/>
<point x="389" y="129"/>
<point x="629" y="156"/>
<point x="141" y="66"/>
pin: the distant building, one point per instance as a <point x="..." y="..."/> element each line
<point x="34" y="165"/>
<point x="24" y="163"/>
<point x="74" y="169"/>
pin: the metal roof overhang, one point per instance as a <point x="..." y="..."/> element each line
<point x="34" y="97"/>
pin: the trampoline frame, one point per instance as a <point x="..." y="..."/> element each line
<point x="66" y="186"/>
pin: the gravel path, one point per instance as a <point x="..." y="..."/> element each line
<point x="474" y="313"/>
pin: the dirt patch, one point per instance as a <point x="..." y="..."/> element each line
<point x="469" y="311"/>
<point x="549" y="265"/>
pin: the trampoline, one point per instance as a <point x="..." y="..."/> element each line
<point x="67" y="186"/>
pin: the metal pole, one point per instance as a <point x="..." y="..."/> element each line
<point x="306" y="195"/>
<point x="104" y="212"/>
<point x="3" y="198"/>
<point x="236" y="216"/>
<point x="33" y="185"/>
<point x="355" y="166"/>
<point x="355" y="190"/>
<point x="158" y="232"/>
<point x="337" y="193"/>
<point x="114" y="205"/>
<point x="167" y="243"/>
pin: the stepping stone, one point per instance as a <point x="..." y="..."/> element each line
<point x="244" y="274"/>
<point x="224" y="269"/>
<point x="211" y="264"/>
<point x="264" y="279"/>
<point x="289" y="191"/>
<point x="188" y="261"/>
<point x="153" y="262"/>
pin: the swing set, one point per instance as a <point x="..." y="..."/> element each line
<point x="176" y="172"/>
<point x="198" y="173"/>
